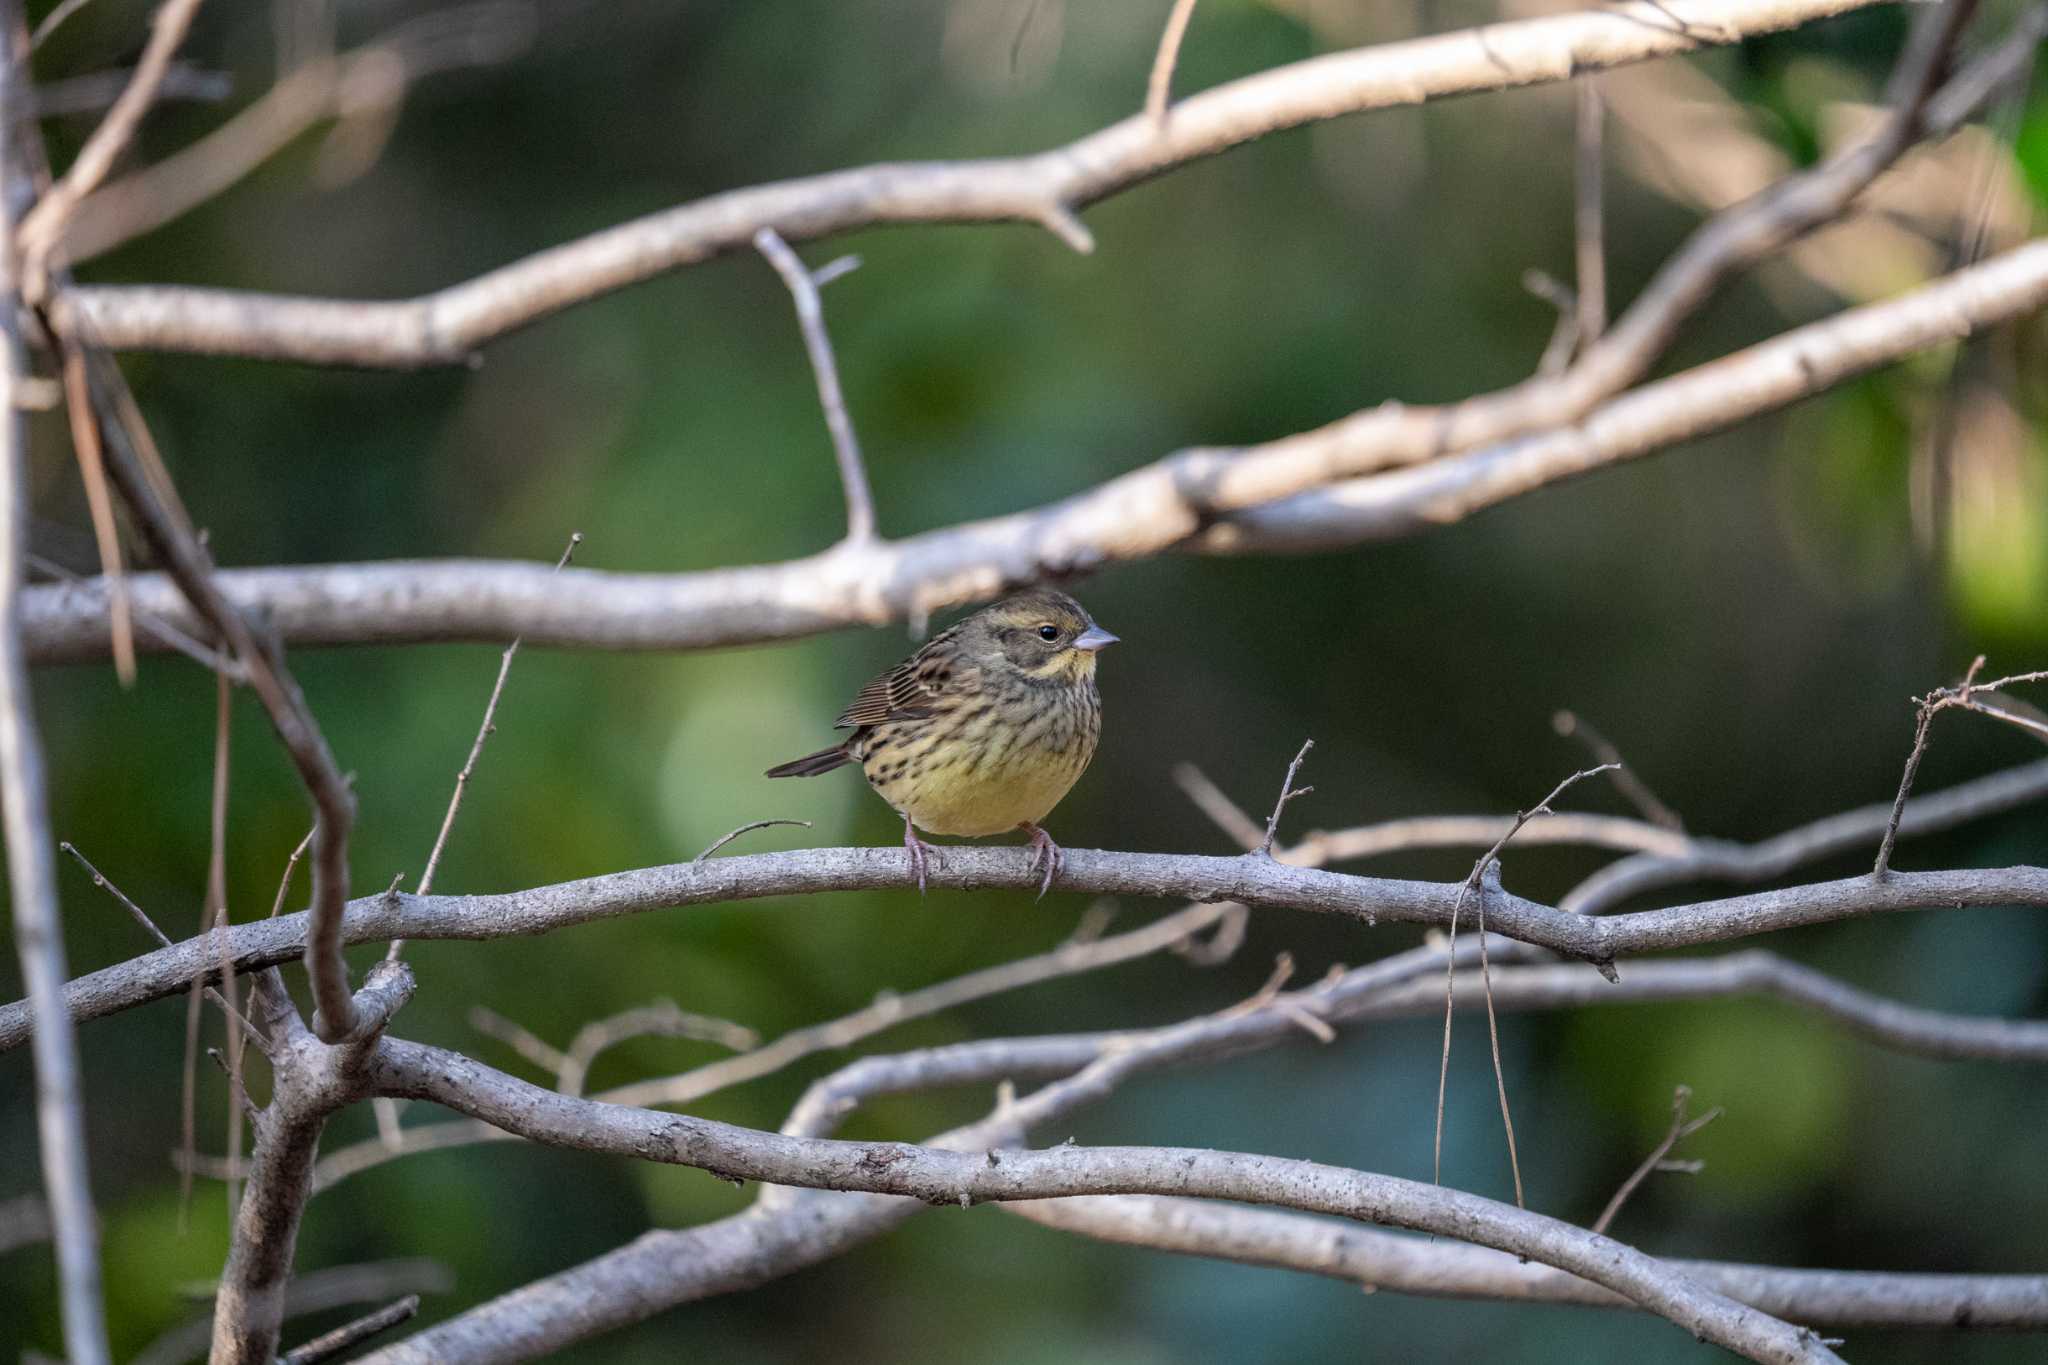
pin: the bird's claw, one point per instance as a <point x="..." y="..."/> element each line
<point x="1043" y="848"/>
<point x="915" y="847"/>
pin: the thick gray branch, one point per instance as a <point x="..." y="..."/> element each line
<point x="24" y="798"/>
<point x="1698" y="402"/>
<point x="1150" y="511"/>
<point x="941" y="1177"/>
<point x="1834" y="1299"/>
<point x="1044" y="189"/>
<point x="312" y="1081"/>
<point x="1851" y="831"/>
<point x="789" y="1229"/>
<point x="1259" y="882"/>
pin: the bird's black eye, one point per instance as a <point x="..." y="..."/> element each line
<point x="1048" y="632"/>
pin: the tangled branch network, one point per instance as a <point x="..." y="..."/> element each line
<point x="1385" y="471"/>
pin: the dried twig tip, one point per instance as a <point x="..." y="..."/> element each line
<point x="1288" y="791"/>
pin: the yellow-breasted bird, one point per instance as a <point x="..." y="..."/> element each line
<point x="982" y="730"/>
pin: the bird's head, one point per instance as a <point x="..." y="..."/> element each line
<point x="1045" y="635"/>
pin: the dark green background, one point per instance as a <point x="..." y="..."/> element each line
<point x="1745" y="616"/>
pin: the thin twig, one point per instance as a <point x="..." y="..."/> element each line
<point x="361" y="88"/>
<point x="1564" y="331"/>
<point x="217" y="900"/>
<point x="149" y="926"/>
<point x="1590" y="235"/>
<point x="284" y="883"/>
<point x="211" y="919"/>
<point x="170" y="535"/>
<point x="42" y="229"/>
<point x="353" y="1334"/>
<point x="1159" y="88"/>
<point x="53" y="19"/>
<point x="810" y="315"/>
<point x="887" y="1011"/>
<point x="1571" y="725"/>
<point x="92" y="470"/>
<point x="314" y="1291"/>
<point x="722" y="840"/>
<point x="1288" y="791"/>
<point x="483" y="733"/>
<point x="1489" y="883"/>
<point x="242" y="1105"/>
<point x="1469" y="885"/>
<point x="1681" y="1129"/>
<point x="1962" y="697"/>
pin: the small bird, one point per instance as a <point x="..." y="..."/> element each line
<point x="982" y="730"/>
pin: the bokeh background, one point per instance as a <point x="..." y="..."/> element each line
<point x="1746" y="617"/>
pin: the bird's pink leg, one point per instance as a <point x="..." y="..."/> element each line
<point x="1043" y="847"/>
<point x="916" y="848"/>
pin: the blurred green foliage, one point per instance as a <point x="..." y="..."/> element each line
<point x="1745" y="617"/>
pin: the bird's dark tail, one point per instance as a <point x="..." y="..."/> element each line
<point x="810" y="765"/>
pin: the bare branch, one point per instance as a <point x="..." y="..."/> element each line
<point x="1070" y="958"/>
<point x="722" y="840"/>
<point x="1698" y="402"/>
<point x="366" y="83"/>
<point x="1719" y="860"/>
<point x="353" y="1334"/>
<point x="1681" y="1129"/>
<point x="311" y="1081"/>
<point x="85" y="439"/>
<point x="1888" y="1023"/>
<point x="1288" y="791"/>
<point x="149" y="926"/>
<point x="1963" y="696"/>
<point x="166" y="634"/>
<point x="810" y="316"/>
<point x="1136" y="516"/>
<point x="788" y="1230"/>
<point x="312" y="1291"/>
<point x="446" y="327"/>
<point x="1260" y="883"/>
<point x="1590" y="252"/>
<point x="24" y="801"/>
<point x="663" y="1018"/>
<point x="1564" y="332"/>
<point x="941" y="1176"/>
<point x="54" y="19"/>
<point x="43" y="228"/>
<point x="1384" y="994"/>
<point x="1472" y="883"/>
<point x="518" y="1037"/>
<point x="1480" y="831"/>
<point x="1159" y="88"/>
<point x="1391" y="1262"/>
<point x="170" y="535"/>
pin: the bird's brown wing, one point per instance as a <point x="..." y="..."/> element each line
<point x="912" y="689"/>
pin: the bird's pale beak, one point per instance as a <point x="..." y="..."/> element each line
<point x="1093" y="638"/>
